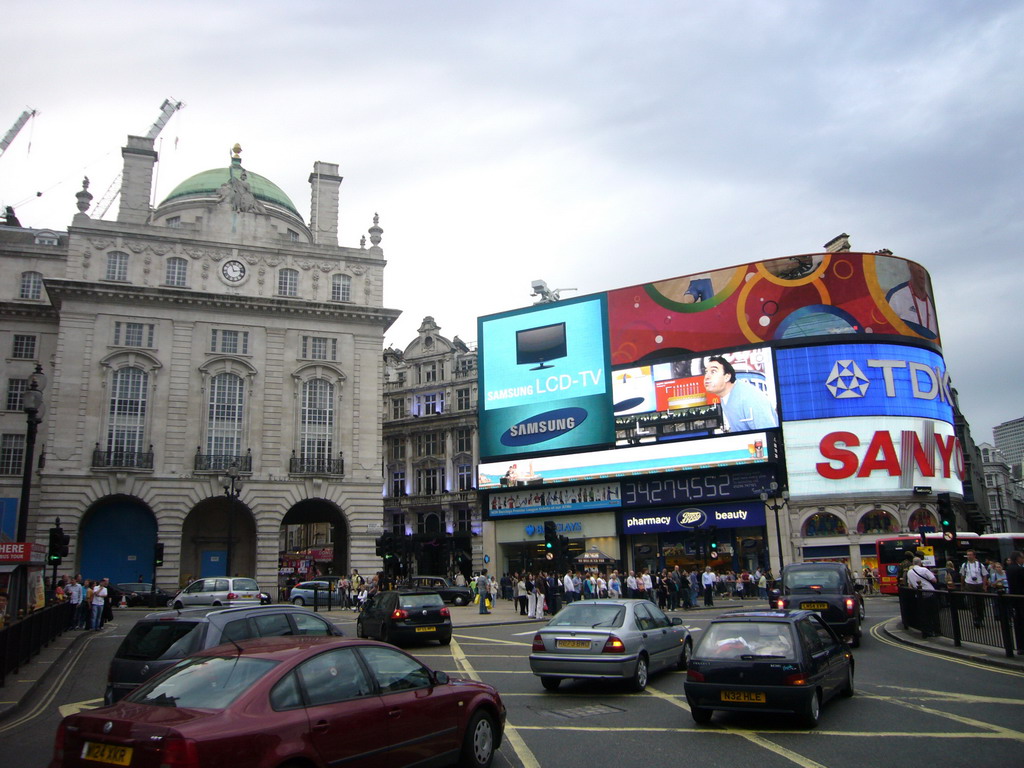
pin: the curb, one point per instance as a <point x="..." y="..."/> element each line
<point x="903" y="637"/>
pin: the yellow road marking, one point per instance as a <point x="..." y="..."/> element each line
<point x="876" y="632"/>
<point x="79" y="706"/>
<point x="925" y="693"/>
<point x="1005" y="732"/>
<point x="487" y="641"/>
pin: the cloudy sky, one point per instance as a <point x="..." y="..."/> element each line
<point x="589" y="144"/>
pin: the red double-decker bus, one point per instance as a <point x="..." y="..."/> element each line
<point x="892" y="550"/>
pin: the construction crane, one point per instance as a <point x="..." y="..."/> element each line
<point x="167" y="109"/>
<point x="16" y="128"/>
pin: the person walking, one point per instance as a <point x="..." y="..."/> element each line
<point x="974" y="579"/>
<point x="707" y="580"/>
<point x="482" y="591"/>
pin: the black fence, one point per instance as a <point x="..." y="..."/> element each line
<point x="21" y="640"/>
<point x="984" y="618"/>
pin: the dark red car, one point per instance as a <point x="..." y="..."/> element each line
<point x="291" y="701"/>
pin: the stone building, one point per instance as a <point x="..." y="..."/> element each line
<point x="217" y="334"/>
<point x="431" y="450"/>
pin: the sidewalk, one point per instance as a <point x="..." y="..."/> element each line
<point x="980" y="654"/>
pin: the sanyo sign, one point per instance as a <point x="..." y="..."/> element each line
<point x="870" y="455"/>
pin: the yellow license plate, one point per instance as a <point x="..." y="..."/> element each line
<point x="106" y="753"/>
<point x="426" y="629"/>
<point x="744" y="697"/>
<point x="572" y="644"/>
<point x="814" y="606"/>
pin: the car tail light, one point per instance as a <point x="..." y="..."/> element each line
<point x="613" y="645"/>
<point x="445" y="612"/>
<point x="232" y="596"/>
<point x="58" y="744"/>
<point x="399" y="614"/>
<point x="849" y="606"/>
<point x="797" y="678"/>
<point x="177" y="752"/>
<point x="538" y="643"/>
<point x="693" y="676"/>
<point x="780" y="603"/>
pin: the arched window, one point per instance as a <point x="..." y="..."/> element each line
<point x="117" y="266"/>
<point x="341" y="288"/>
<point x="877" y="521"/>
<point x="923" y="517"/>
<point x="225" y="416"/>
<point x="316" y="428"/>
<point x="31" y="285"/>
<point x="824" y="524"/>
<point x="177" y="272"/>
<point x="126" y="414"/>
<point x="288" y="282"/>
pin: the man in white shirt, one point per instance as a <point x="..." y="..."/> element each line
<point x="99" y="596"/>
<point x="923" y="580"/>
<point x="75" y="594"/>
<point x="707" y="581"/>
<point x="648" y="586"/>
<point x="631" y="585"/>
<point x="974" y="578"/>
<point x="568" y="587"/>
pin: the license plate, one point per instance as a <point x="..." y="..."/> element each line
<point x="106" y="753"/>
<point x="744" y="697"/>
<point x="814" y="606"/>
<point x="572" y="644"/>
<point x="426" y="629"/>
<point x="247" y="595"/>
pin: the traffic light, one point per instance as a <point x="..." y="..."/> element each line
<point x="550" y="537"/>
<point x="158" y="555"/>
<point x="383" y="543"/>
<point x="563" y="551"/>
<point x="714" y="548"/>
<point x="58" y="548"/>
<point x="947" y="517"/>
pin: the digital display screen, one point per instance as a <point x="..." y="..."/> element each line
<point x="540" y="345"/>
<point x="711" y="486"/>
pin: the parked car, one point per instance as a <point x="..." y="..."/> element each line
<point x="449" y="591"/>
<point x="308" y="701"/>
<point x="303" y="593"/>
<point x="396" y="616"/>
<point x="138" y="593"/>
<point x="768" y="661"/>
<point x="827" y="588"/>
<point x="159" y="640"/>
<point x="609" y="639"/>
<point x="217" y="591"/>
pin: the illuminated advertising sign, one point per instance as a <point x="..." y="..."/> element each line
<point x="724" y="451"/>
<point x="694" y="518"/>
<point x="545" y="381"/>
<point x="697" y="487"/>
<point x="863" y="380"/>
<point x="872" y="454"/>
<point x="690" y="395"/>
<point x="547" y="501"/>
<point x="797" y="297"/>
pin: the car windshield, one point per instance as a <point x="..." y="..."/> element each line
<point x="149" y="640"/>
<point x="746" y="640"/>
<point x="589" y="615"/>
<point x="420" y="601"/>
<point x="245" y="584"/>
<point x="207" y="682"/>
<point x="811" y="580"/>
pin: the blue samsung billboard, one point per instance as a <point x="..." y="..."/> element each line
<point x="545" y="379"/>
<point x="840" y="380"/>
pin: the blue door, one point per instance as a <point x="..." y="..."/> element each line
<point x="213" y="563"/>
<point x="116" y="542"/>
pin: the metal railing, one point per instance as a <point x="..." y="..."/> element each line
<point x="219" y="462"/>
<point x="23" y="639"/>
<point x="984" y="618"/>
<point x="122" y="459"/>
<point x="316" y="466"/>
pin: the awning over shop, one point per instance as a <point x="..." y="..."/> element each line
<point x="594" y="556"/>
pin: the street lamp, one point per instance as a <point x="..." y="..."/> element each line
<point x="232" y="490"/>
<point x="775" y="507"/>
<point x="33" y="406"/>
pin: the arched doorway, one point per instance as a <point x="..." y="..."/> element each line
<point x="116" y="540"/>
<point x="314" y="540"/>
<point x="218" y="538"/>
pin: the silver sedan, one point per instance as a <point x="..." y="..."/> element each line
<point x="609" y="639"/>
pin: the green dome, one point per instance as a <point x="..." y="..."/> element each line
<point x="209" y="182"/>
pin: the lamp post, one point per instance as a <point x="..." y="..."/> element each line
<point x="774" y="506"/>
<point x="33" y="406"/>
<point x="232" y="490"/>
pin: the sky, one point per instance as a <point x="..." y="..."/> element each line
<point x="593" y="145"/>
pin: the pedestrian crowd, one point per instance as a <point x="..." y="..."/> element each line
<point x="91" y="598"/>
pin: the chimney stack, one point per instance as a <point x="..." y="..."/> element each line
<point x="325" y="186"/>
<point x="136" y="180"/>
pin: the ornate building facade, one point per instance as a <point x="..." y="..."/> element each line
<point x="214" y="371"/>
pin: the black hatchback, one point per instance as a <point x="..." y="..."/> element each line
<point x="399" y="616"/>
<point x="829" y="590"/>
<point x="768" y="661"/>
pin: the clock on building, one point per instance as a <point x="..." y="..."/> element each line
<point x="233" y="271"/>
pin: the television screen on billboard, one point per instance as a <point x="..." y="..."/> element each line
<point x="545" y="382"/>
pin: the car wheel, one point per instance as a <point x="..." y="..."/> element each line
<point x="298" y="601"/>
<point x="359" y="630"/>
<point x="177" y="605"/>
<point x="478" y="744"/>
<point x="684" y="657"/>
<point x="551" y="683"/>
<point x="216" y="603"/>
<point x="385" y="633"/>
<point x="855" y="640"/>
<point x="459" y="601"/>
<point x="445" y="640"/>
<point x="812" y="710"/>
<point x="701" y="715"/>
<point x="863" y="614"/>
<point x="847" y="689"/>
<point x="639" y="680"/>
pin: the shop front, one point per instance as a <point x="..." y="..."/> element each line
<point x="520" y="542"/>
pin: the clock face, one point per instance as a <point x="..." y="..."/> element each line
<point x="233" y="271"/>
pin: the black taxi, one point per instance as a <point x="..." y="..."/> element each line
<point x="768" y="661"/>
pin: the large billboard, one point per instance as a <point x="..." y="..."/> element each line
<point x="545" y="379"/>
<point x="838" y="380"/>
<point x="872" y="454"/>
<point x="695" y="518"/>
<point x="815" y="295"/>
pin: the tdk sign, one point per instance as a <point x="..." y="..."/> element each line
<point x="543" y="427"/>
<point x="863" y="380"/>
